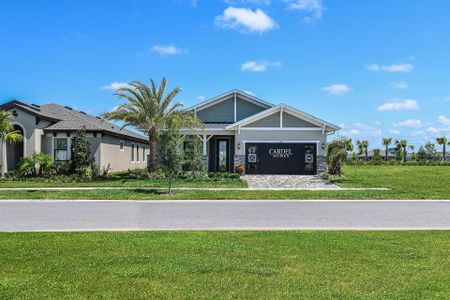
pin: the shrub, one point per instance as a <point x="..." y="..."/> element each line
<point x="36" y="165"/>
<point x="61" y="168"/>
<point x="139" y="173"/>
<point x="81" y="154"/>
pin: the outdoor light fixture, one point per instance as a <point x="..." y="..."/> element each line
<point x="238" y="146"/>
<point x="323" y="146"/>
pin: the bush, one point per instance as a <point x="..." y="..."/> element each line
<point x="223" y="175"/>
<point x="139" y="173"/>
<point x="36" y="165"/>
<point x="61" y="168"/>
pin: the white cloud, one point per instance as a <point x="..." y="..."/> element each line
<point x="399" y="105"/>
<point x="394" y="132"/>
<point x="393" y="68"/>
<point x="258" y="66"/>
<point x="400" y="85"/>
<point x="247" y="2"/>
<point x="444" y="120"/>
<point x="314" y="8"/>
<point x="201" y="98"/>
<point x="438" y="131"/>
<point x="114" y="86"/>
<point x="361" y="130"/>
<point x="245" y="20"/>
<point x="411" y="123"/>
<point x="250" y="93"/>
<point x="336" y="89"/>
<point x="166" y="50"/>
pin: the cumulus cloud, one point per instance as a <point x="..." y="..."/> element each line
<point x="400" y="85"/>
<point x="361" y="130"/>
<point x="336" y="89"/>
<point x="258" y="66"/>
<point x="250" y="93"/>
<point x="444" y="120"/>
<point x="394" y="132"/>
<point x="314" y="8"/>
<point x="392" y="68"/>
<point x="411" y="123"/>
<point x="166" y="50"/>
<point x="248" y="2"/>
<point x="399" y="105"/>
<point x="114" y="86"/>
<point x="201" y="98"/>
<point x="245" y="20"/>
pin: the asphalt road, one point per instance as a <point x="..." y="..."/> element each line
<point x="20" y="215"/>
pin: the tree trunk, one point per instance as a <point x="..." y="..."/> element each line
<point x="152" y="148"/>
<point x="404" y="154"/>
<point x="386" y="153"/>
<point x="443" y="152"/>
<point x="170" y="184"/>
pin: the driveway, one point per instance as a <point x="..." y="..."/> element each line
<point x="305" y="182"/>
<point x="18" y="215"/>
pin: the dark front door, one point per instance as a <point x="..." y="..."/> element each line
<point x="281" y="158"/>
<point x="223" y="155"/>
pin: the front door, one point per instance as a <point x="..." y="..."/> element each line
<point x="223" y="147"/>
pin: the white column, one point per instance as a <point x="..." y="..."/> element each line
<point x="4" y="159"/>
<point x="204" y="144"/>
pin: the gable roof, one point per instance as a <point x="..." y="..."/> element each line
<point x="289" y="109"/>
<point x="65" y="118"/>
<point x="225" y="96"/>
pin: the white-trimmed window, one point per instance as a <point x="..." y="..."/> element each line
<point x="61" y="149"/>
<point x="132" y="152"/>
<point x="121" y="145"/>
<point x="137" y="152"/>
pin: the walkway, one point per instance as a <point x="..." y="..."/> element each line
<point x="304" y="182"/>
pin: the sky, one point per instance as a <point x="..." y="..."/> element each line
<point x="375" y="68"/>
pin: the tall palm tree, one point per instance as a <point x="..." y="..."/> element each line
<point x="442" y="141"/>
<point x="402" y="144"/>
<point x="147" y="109"/>
<point x="363" y="145"/>
<point x="386" y="143"/>
<point x="7" y="135"/>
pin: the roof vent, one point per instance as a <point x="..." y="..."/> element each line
<point x="82" y="112"/>
<point x="68" y="107"/>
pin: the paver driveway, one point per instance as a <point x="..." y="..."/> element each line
<point x="289" y="182"/>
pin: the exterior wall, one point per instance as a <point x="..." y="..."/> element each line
<point x="111" y="157"/>
<point x="246" y="109"/>
<point x="272" y="120"/>
<point x="222" y="112"/>
<point x="292" y="121"/>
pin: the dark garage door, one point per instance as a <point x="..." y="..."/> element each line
<point x="281" y="158"/>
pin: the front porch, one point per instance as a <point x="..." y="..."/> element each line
<point x="218" y="152"/>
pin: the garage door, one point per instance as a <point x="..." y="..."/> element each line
<point x="281" y="158"/>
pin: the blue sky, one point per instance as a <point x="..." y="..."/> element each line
<point x="377" y="68"/>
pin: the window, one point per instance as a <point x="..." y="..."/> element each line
<point x="137" y="152"/>
<point x="143" y="153"/>
<point x="121" y="144"/>
<point x="132" y="152"/>
<point x="61" y="149"/>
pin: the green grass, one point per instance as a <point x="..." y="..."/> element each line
<point x="405" y="182"/>
<point x="224" y="265"/>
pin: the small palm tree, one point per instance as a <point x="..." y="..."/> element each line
<point x="402" y="145"/>
<point x="148" y="109"/>
<point x="386" y="143"/>
<point x="444" y="142"/>
<point x="365" y="146"/>
<point x="7" y="134"/>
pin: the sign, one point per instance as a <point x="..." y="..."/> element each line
<point x="281" y="153"/>
<point x="252" y="158"/>
<point x="309" y="158"/>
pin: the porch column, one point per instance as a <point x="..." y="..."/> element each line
<point x="4" y="159"/>
<point x="204" y="140"/>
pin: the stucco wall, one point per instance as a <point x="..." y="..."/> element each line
<point x="111" y="156"/>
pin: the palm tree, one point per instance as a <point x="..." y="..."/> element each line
<point x="402" y="145"/>
<point x="363" y="145"/>
<point x="337" y="152"/>
<point x="147" y="109"/>
<point x="386" y="143"/>
<point x="442" y="141"/>
<point x="7" y="135"/>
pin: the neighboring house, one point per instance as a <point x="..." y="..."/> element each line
<point x="240" y="129"/>
<point x="49" y="128"/>
<point x="370" y="155"/>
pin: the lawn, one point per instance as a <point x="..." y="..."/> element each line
<point x="405" y="182"/>
<point x="223" y="265"/>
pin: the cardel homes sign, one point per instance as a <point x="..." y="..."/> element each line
<point x="281" y="153"/>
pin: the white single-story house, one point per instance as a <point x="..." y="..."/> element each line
<point x="241" y="130"/>
<point x="49" y="128"/>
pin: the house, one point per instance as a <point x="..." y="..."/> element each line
<point x="49" y="128"/>
<point x="263" y="138"/>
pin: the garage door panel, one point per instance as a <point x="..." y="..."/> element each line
<point x="281" y="158"/>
